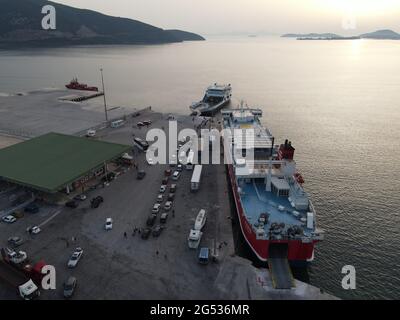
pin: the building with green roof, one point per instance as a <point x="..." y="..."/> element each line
<point x="53" y="162"/>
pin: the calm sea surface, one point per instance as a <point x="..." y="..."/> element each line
<point x="337" y="101"/>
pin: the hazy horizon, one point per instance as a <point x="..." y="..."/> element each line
<point x="255" y="16"/>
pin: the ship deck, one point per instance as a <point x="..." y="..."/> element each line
<point x="256" y="200"/>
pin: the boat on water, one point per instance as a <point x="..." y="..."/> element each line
<point x="216" y="97"/>
<point x="194" y="238"/>
<point x="75" y="85"/>
<point x="275" y="213"/>
<point x="200" y="220"/>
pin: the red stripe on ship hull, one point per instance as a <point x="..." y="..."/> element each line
<point x="297" y="251"/>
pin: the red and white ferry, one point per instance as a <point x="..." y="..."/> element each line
<point x="272" y="206"/>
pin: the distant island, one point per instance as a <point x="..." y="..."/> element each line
<point x="380" y="34"/>
<point x="20" y="26"/>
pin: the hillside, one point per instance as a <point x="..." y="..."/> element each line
<point x="381" y="34"/>
<point x="20" y="25"/>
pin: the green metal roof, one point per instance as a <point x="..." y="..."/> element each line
<point x="52" y="161"/>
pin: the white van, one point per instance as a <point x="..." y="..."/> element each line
<point x="117" y="123"/>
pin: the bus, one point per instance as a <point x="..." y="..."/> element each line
<point x="141" y="144"/>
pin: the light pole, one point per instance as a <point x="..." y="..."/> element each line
<point x="104" y="95"/>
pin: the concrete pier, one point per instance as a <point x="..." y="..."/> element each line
<point x="118" y="264"/>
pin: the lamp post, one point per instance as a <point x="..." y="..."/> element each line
<point x="104" y="94"/>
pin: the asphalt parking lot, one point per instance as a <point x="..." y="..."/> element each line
<point x="115" y="266"/>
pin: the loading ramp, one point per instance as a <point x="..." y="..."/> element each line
<point x="281" y="274"/>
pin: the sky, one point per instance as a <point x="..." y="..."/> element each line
<point x="213" y="17"/>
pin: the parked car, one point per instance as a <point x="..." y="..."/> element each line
<point x="140" y="124"/>
<point x="163" y="188"/>
<point x="172" y="188"/>
<point x="151" y="220"/>
<point x="109" y="224"/>
<point x="150" y="161"/>
<point x="72" y="204"/>
<point x="167" y="172"/>
<point x="156" y="208"/>
<point x="95" y="202"/>
<point x="157" y="231"/>
<point x="15" y="241"/>
<point x="176" y="175"/>
<point x="32" y="208"/>
<point x="171" y="197"/>
<point x="165" y="181"/>
<point x="69" y="287"/>
<point x="147" y="122"/>
<point x="80" y="197"/>
<point x="160" y="198"/>
<point x="168" y="205"/>
<point x="164" y="218"/>
<point x="76" y="256"/>
<point x="33" y="230"/>
<point x="146" y="233"/>
<point x="9" y="219"/>
<point x="90" y="133"/>
<point x="141" y="174"/>
<point x="179" y="168"/>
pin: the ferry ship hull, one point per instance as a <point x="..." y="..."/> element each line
<point x="298" y="252"/>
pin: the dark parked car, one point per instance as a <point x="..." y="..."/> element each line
<point x="146" y="233"/>
<point x="157" y="231"/>
<point x="164" y="217"/>
<point x="15" y="241"/>
<point x="172" y="189"/>
<point x="168" y="172"/>
<point x="151" y="220"/>
<point x="95" y="202"/>
<point x="171" y="197"/>
<point x="32" y="208"/>
<point x="141" y="174"/>
<point x="72" y="204"/>
<point x="69" y="287"/>
<point x="165" y="181"/>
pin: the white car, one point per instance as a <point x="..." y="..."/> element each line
<point x="168" y="205"/>
<point x="9" y="219"/>
<point x="160" y="198"/>
<point x="90" y="133"/>
<point x="150" y="161"/>
<point x="156" y="208"/>
<point x="109" y="224"/>
<point x="35" y="230"/>
<point x="163" y="189"/>
<point x="76" y="256"/>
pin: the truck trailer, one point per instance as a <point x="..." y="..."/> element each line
<point x="196" y="178"/>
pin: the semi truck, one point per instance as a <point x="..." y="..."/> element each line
<point x="19" y="274"/>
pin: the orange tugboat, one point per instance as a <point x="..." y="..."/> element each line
<point x="75" y="85"/>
